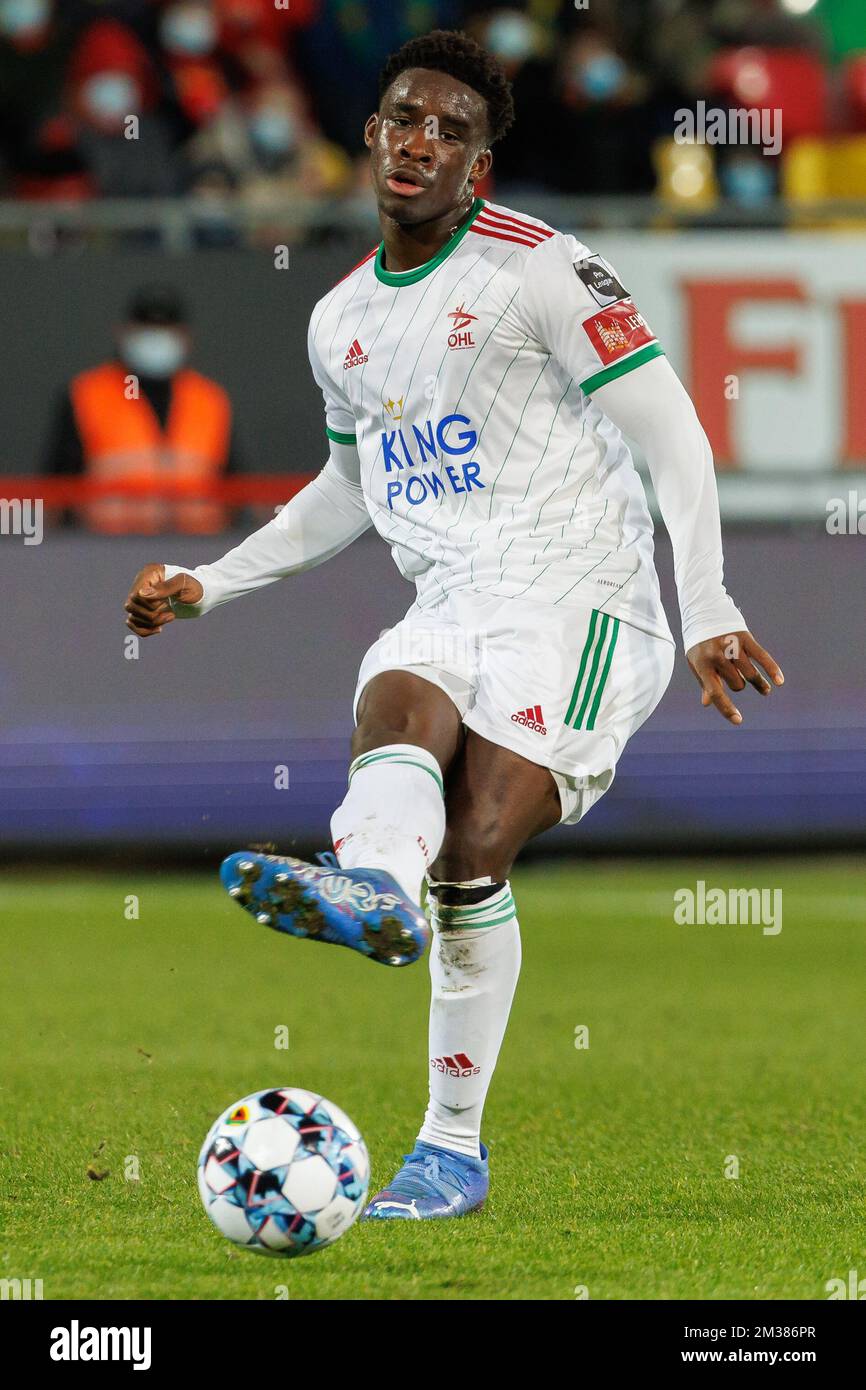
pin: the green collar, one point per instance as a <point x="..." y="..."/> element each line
<point x="409" y="277"/>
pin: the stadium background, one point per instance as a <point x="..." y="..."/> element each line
<point x="751" y="268"/>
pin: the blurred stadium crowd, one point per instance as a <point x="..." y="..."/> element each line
<point x="233" y="118"/>
<point x="244" y="102"/>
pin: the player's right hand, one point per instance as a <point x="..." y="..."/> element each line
<point x="148" y="606"/>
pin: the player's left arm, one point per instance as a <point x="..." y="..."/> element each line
<point x="652" y="407"/>
<point x="576" y="307"/>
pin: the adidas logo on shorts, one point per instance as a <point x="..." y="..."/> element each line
<point x="531" y="718"/>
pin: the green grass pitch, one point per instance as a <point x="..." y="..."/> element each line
<point x="125" y="1038"/>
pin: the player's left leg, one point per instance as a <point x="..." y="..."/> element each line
<point x="496" y="800"/>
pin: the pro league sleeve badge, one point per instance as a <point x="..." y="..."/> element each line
<point x="600" y="280"/>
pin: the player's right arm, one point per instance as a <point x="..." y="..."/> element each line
<point x="319" y="521"/>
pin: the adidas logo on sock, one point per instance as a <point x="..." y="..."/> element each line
<point x="355" y="357"/>
<point x="458" y="1065"/>
<point x="531" y="718"/>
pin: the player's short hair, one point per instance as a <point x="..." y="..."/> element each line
<point x="455" y="53"/>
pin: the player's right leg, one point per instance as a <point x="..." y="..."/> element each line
<point x="393" y="815"/>
<point x="387" y="831"/>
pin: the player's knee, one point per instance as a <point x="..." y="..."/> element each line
<point x="399" y="707"/>
<point x="380" y="724"/>
<point x="373" y="732"/>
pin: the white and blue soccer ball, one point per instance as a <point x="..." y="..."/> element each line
<point x="283" y="1172"/>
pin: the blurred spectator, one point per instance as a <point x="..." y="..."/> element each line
<point x="256" y="33"/>
<point x="677" y="45"/>
<point x="214" y="226"/>
<point x="250" y="103"/>
<point x="33" y="55"/>
<point x="601" y="129"/>
<point x="26" y="23"/>
<point x="114" y="95"/>
<point x="145" y="417"/>
<point x="342" y="50"/>
<point x="189" y="35"/>
<point x="51" y="165"/>
<point x="189" y="28"/>
<point x="266" y="142"/>
<point x="584" y="124"/>
<point x="211" y="49"/>
<point x="517" y="42"/>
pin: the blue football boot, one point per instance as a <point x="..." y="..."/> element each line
<point x="364" y="909"/>
<point x="432" y="1183"/>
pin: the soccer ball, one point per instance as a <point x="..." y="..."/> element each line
<point x="283" y="1172"/>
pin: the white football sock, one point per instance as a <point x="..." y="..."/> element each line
<point x="474" y="965"/>
<point x="393" y="815"/>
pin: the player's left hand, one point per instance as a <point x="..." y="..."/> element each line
<point x="731" y="659"/>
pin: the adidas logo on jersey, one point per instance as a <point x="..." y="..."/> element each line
<point x="531" y="718"/>
<point x="458" y="1065"/>
<point x="355" y="357"/>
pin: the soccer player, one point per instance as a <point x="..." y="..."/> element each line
<point x="479" y="370"/>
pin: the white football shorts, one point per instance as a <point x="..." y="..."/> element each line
<point x="563" y="687"/>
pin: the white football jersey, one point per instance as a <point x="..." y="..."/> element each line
<point x="466" y="387"/>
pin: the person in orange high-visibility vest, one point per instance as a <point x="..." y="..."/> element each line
<point x="145" y="419"/>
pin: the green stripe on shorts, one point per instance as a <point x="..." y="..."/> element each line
<point x="594" y="669"/>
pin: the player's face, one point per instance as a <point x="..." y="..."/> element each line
<point x="427" y="143"/>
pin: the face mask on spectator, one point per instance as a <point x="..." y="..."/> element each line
<point x="601" y="76"/>
<point x="21" y="18"/>
<point x="273" y="132"/>
<point x="109" y="96"/>
<point x="153" y="352"/>
<point x="510" y="36"/>
<point x="748" y="181"/>
<point x="189" y="31"/>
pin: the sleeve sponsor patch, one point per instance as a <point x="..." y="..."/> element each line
<point x="600" y="280"/>
<point x="617" y="331"/>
